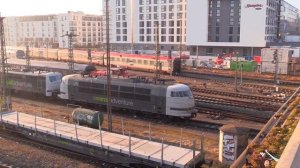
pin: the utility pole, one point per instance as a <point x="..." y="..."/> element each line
<point x="275" y="61"/>
<point x="180" y="41"/>
<point x="109" y="114"/>
<point x="236" y="71"/>
<point x="5" y="101"/>
<point x="132" y="27"/>
<point x="157" y="64"/>
<point x="170" y="62"/>
<point x="90" y="56"/>
<point x="241" y="73"/>
<point x="28" y="63"/>
<point x="70" y="50"/>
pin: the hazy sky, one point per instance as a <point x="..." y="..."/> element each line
<point x="37" y="7"/>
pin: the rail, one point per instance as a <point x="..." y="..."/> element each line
<point x="276" y="118"/>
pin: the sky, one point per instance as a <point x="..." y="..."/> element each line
<point x="39" y="7"/>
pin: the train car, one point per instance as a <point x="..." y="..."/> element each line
<point x="132" y="94"/>
<point x="40" y="83"/>
<point x="131" y="61"/>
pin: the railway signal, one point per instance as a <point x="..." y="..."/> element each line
<point x="275" y="61"/>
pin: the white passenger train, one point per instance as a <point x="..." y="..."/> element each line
<point x="132" y="94"/>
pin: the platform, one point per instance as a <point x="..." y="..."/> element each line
<point x="290" y="157"/>
<point x="148" y="151"/>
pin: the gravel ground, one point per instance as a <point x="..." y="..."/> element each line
<point x="138" y="127"/>
<point x="21" y="154"/>
<point x="135" y="126"/>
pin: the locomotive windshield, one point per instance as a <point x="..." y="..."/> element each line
<point x="54" y="78"/>
<point x="186" y="93"/>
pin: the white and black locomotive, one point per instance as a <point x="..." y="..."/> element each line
<point x="171" y="100"/>
<point x="35" y="82"/>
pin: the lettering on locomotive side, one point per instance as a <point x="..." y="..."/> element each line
<point x="19" y="84"/>
<point x="121" y="102"/>
<point x="114" y="101"/>
<point x="101" y="99"/>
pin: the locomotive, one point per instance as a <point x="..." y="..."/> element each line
<point x="131" y="94"/>
<point x="134" y="94"/>
<point x="40" y="83"/>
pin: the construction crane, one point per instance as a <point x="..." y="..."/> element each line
<point x="70" y="50"/>
<point x="4" y="101"/>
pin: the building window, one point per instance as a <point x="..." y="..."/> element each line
<point x="209" y="51"/>
<point x="142" y="24"/>
<point x="230" y="30"/>
<point x="142" y="38"/>
<point x="141" y="2"/>
<point x="148" y="38"/>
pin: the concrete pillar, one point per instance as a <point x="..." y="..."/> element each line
<point x="233" y="141"/>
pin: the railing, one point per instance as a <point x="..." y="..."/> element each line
<point x="280" y="115"/>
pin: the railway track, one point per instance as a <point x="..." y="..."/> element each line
<point x="14" y="136"/>
<point x="221" y="114"/>
<point x="238" y="95"/>
<point x="257" y="88"/>
<point x="237" y="103"/>
<point x="191" y="81"/>
<point x="203" y="75"/>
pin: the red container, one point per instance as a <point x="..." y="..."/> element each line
<point x="257" y="59"/>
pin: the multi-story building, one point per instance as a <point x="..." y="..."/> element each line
<point x="290" y="20"/>
<point x="51" y="30"/>
<point x="206" y="27"/>
<point x="224" y="26"/>
<point x="135" y="24"/>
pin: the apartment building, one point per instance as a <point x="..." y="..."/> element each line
<point x="134" y="24"/>
<point x="51" y="30"/>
